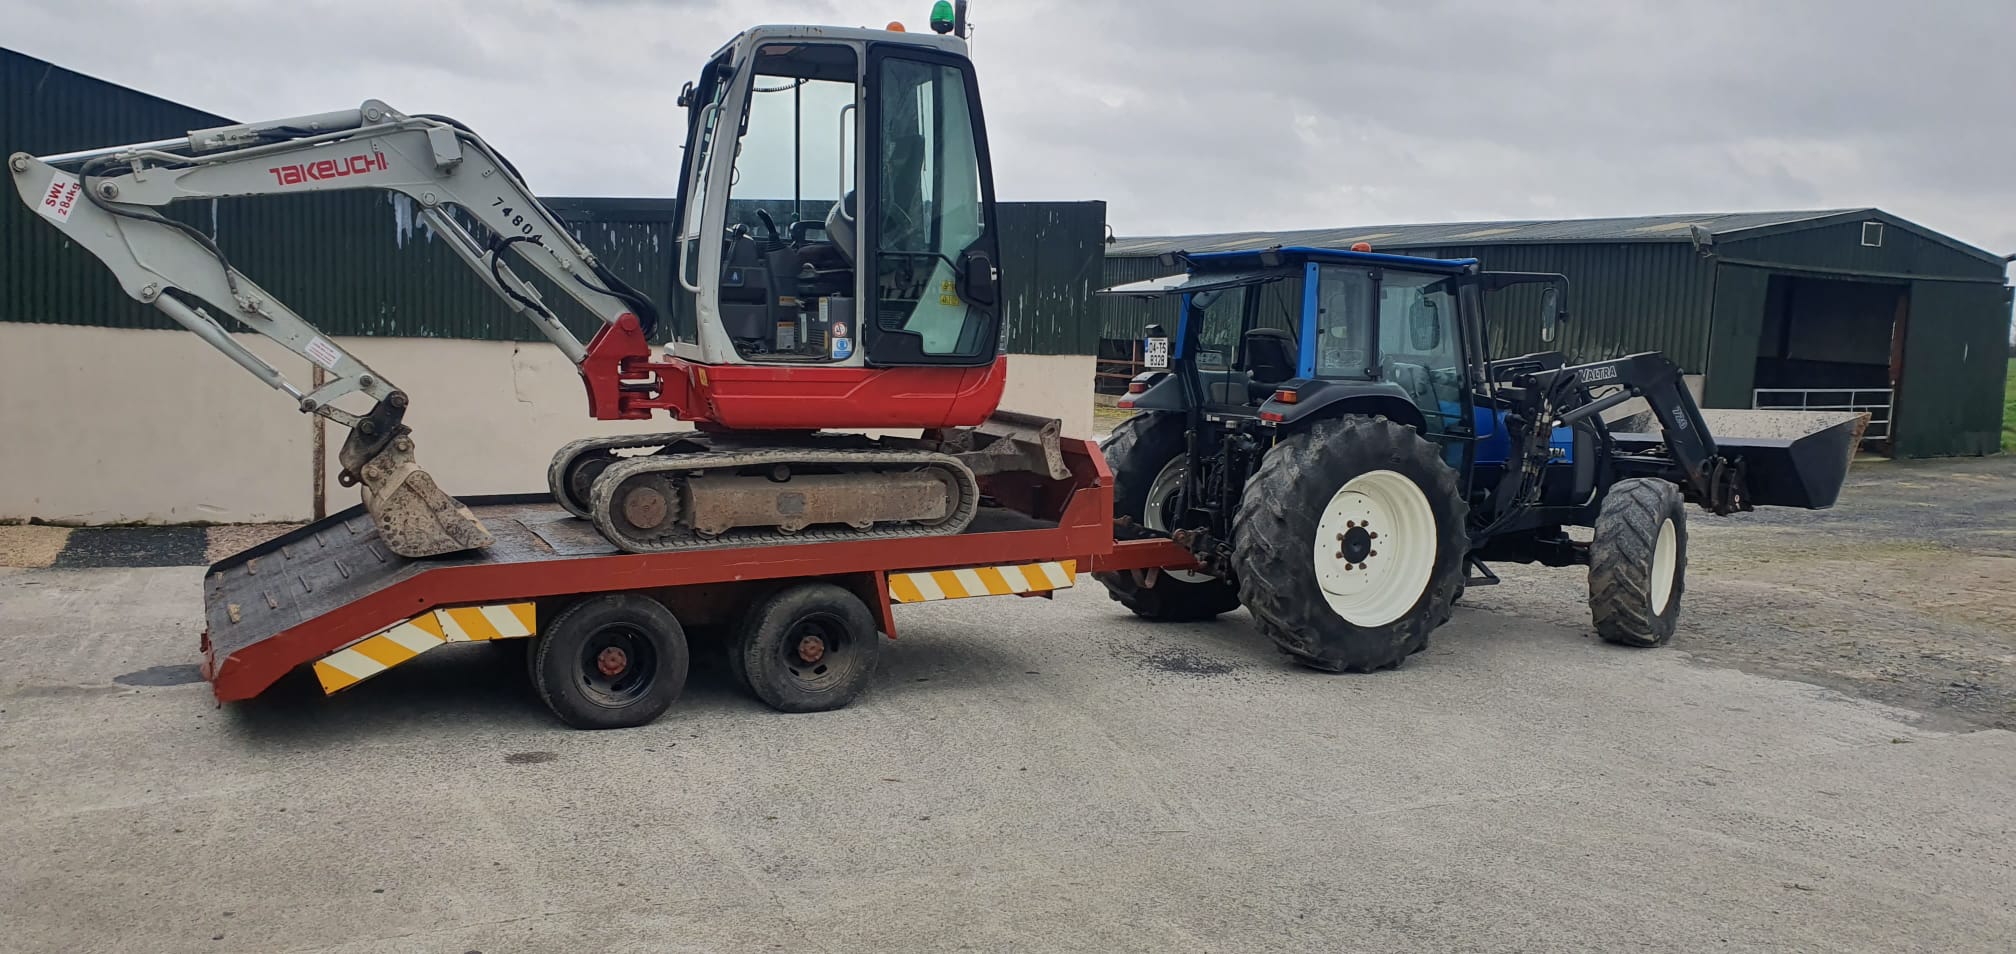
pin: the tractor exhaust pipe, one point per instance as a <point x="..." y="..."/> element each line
<point x="415" y="517"/>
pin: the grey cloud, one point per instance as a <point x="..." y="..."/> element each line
<point x="1201" y="115"/>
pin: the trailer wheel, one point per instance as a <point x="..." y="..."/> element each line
<point x="1146" y="454"/>
<point x="611" y="662"/>
<point x="1638" y="562"/>
<point x="808" y="648"/>
<point x="1349" y="543"/>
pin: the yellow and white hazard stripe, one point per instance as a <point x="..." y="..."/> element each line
<point x="924" y="586"/>
<point x="368" y="657"/>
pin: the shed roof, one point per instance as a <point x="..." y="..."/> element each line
<point x="1641" y="228"/>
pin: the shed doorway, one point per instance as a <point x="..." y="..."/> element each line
<point x="1832" y="344"/>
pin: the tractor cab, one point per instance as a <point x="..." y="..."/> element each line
<point x="1284" y="334"/>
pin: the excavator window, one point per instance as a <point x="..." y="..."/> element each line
<point x="713" y="89"/>
<point x="931" y="218"/>
<point x="787" y="273"/>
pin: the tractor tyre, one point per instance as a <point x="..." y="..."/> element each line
<point x="1349" y="543"/>
<point x="1146" y="455"/>
<point x="1638" y="563"/>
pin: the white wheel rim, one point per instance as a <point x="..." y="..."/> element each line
<point x="1382" y="519"/>
<point x="1665" y="560"/>
<point x="1165" y="486"/>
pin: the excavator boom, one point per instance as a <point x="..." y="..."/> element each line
<point x="106" y="200"/>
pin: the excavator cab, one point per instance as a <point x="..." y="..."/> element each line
<point x="836" y="205"/>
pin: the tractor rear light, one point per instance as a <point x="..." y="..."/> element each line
<point x="1271" y="417"/>
<point x="1124" y="403"/>
<point x="1137" y="387"/>
<point x="1286" y="396"/>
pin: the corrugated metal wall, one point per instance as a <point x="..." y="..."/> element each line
<point x="361" y="263"/>
<point x="1051" y="253"/>
<point x="1839" y="248"/>
<point x="1623" y="298"/>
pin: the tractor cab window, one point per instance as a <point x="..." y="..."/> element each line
<point x="1418" y="348"/>
<point x="1343" y="322"/>
<point x="1219" y="314"/>
<point x="787" y="271"/>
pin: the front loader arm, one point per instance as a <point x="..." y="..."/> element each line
<point x="1704" y="474"/>
<point x="106" y="201"/>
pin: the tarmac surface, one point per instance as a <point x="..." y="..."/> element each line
<point x="1024" y="775"/>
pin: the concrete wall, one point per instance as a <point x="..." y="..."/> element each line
<point x="102" y="425"/>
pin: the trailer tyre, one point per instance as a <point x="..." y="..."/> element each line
<point x="611" y="662"/>
<point x="1638" y="563"/>
<point x="1146" y="455"/>
<point x="808" y="648"/>
<point x="1349" y="543"/>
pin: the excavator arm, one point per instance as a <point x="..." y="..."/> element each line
<point x="105" y="200"/>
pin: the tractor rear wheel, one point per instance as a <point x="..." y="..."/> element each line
<point x="1349" y="543"/>
<point x="1638" y="563"/>
<point x="1146" y="454"/>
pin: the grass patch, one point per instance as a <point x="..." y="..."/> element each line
<point x="1106" y="418"/>
<point x="2009" y="409"/>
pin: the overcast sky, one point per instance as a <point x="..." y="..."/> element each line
<point x="1197" y="115"/>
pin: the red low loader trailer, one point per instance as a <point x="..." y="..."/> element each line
<point x="805" y="619"/>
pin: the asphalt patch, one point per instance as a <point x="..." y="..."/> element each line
<point x="181" y="675"/>
<point x="530" y="758"/>
<point x="1186" y="663"/>
<point x="96" y="547"/>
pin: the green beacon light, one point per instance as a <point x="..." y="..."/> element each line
<point x="941" y="17"/>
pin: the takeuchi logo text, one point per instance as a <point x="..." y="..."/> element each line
<point x="357" y="165"/>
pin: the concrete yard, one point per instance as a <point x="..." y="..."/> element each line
<point x="1037" y="776"/>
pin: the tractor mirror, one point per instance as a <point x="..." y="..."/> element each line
<point x="1424" y="327"/>
<point x="1550" y="311"/>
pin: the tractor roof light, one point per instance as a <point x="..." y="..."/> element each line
<point x="1361" y="246"/>
<point x="942" y="17"/>
<point x="895" y="26"/>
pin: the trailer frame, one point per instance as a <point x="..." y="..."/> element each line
<point x="332" y="587"/>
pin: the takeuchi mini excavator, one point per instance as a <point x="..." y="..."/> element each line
<point x="836" y="235"/>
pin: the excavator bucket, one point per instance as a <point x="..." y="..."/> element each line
<point x="415" y="518"/>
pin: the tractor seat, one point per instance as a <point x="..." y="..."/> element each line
<point x="1270" y="360"/>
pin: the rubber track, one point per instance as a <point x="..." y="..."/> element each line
<point x="1620" y="562"/>
<point x="556" y="469"/>
<point x="687" y="539"/>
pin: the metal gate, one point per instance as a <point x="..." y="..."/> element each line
<point x="1875" y="401"/>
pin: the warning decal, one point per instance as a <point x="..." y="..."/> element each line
<point x="322" y="353"/>
<point x="62" y="197"/>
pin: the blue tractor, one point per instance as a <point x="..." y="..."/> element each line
<point x="1329" y="436"/>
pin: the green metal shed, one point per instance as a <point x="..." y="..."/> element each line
<point x="1833" y="308"/>
<point x="363" y="263"/>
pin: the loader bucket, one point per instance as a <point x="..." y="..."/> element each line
<point x="1790" y="458"/>
<point x="414" y="517"/>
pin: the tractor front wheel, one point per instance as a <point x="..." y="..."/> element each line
<point x="1638" y="562"/>
<point x="1349" y="543"/>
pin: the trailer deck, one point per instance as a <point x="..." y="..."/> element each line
<point x="308" y="594"/>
